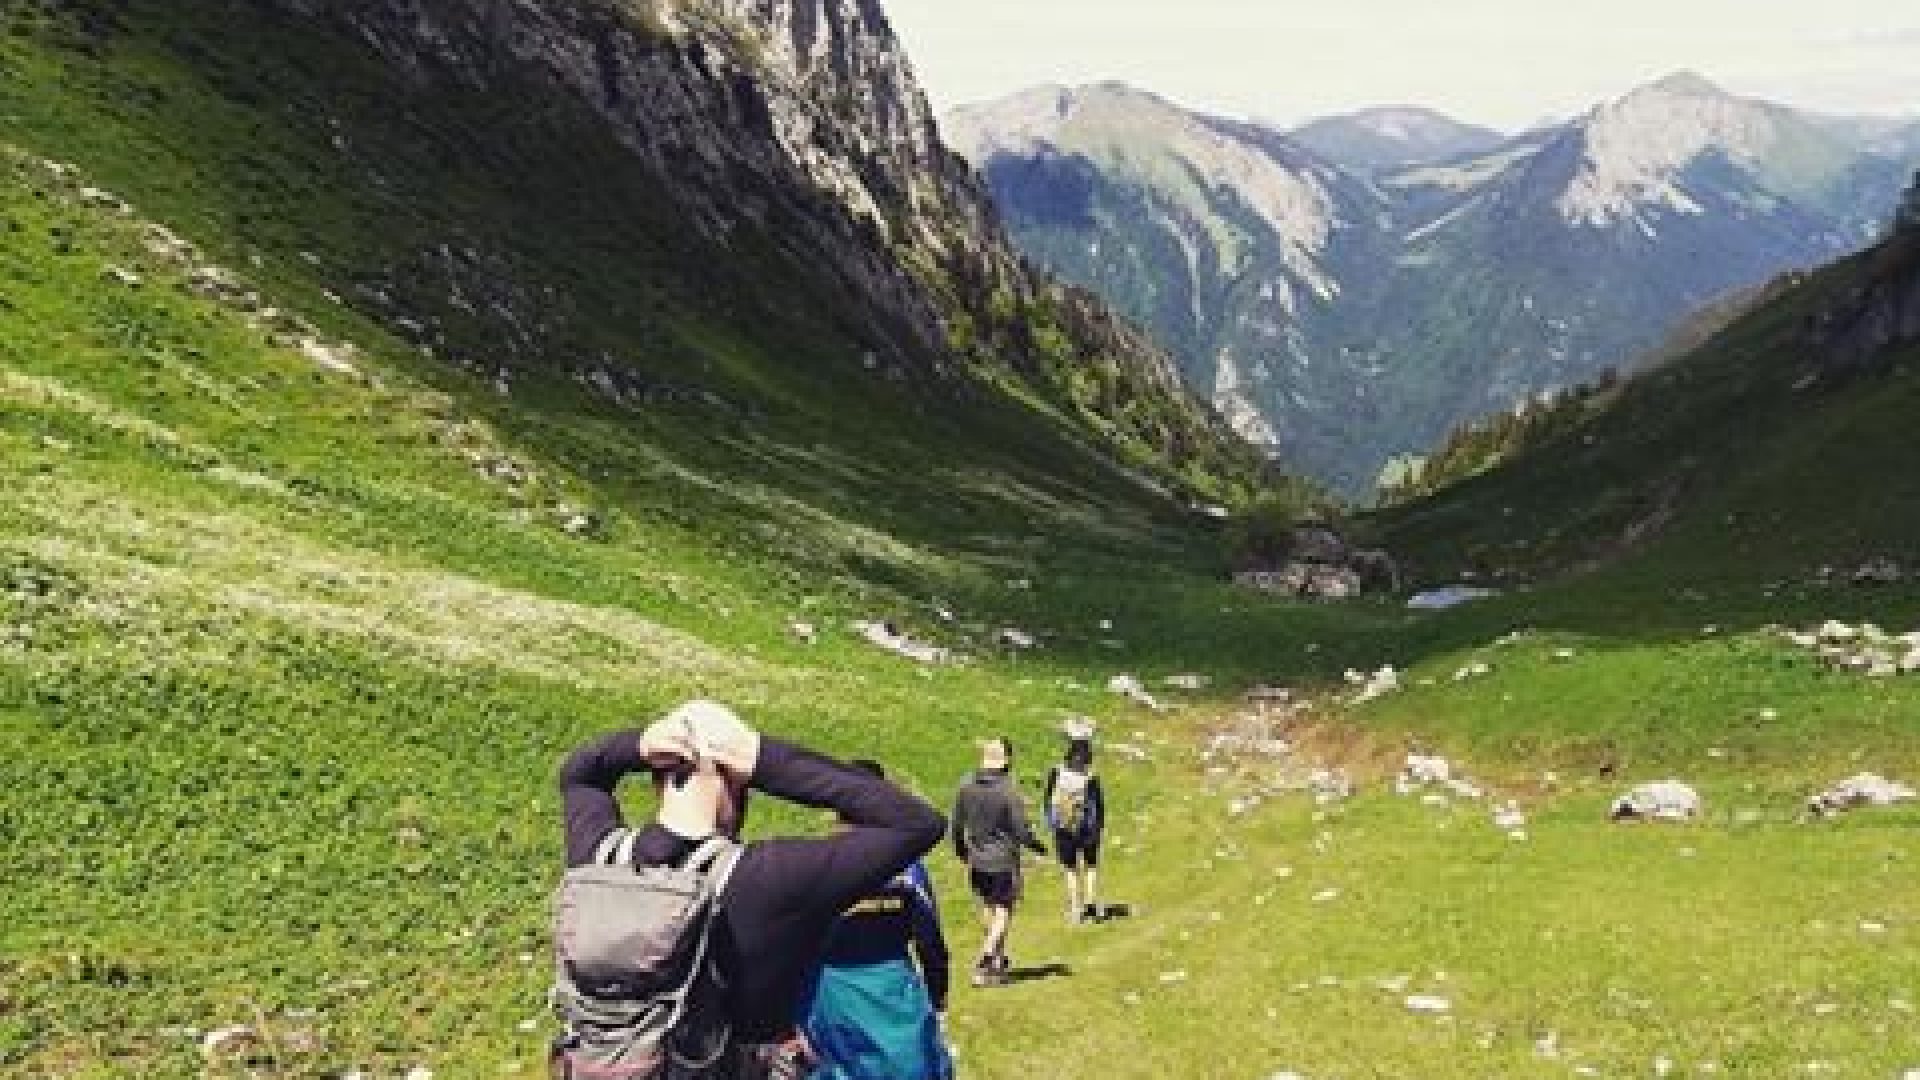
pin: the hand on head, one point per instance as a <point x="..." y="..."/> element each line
<point x="709" y="753"/>
<point x="701" y="734"/>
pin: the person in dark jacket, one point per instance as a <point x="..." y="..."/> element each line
<point x="869" y="1014"/>
<point x="785" y="893"/>
<point x="1076" y="810"/>
<point x="989" y="829"/>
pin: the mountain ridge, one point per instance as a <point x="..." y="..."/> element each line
<point x="1466" y="284"/>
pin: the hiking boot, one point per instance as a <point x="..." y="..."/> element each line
<point x="1090" y="913"/>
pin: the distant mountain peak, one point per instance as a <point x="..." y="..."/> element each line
<point x="1687" y="84"/>
<point x="1392" y="136"/>
<point x="1639" y="149"/>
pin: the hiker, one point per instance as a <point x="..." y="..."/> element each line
<point x="1076" y="810"/>
<point x="869" y="1014"/>
<point x="681" y="952"/>
<point x="989" y="829"/>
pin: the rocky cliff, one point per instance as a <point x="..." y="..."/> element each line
<point x="799" y="122"/>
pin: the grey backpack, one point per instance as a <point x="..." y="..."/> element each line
<point x="635" y="983"/>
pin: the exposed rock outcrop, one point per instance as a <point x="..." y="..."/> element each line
<point x="799" y="123"/>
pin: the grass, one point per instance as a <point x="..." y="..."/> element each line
<point x="287" y="661"/>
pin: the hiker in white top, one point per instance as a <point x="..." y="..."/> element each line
<point x="1076" y="810"/>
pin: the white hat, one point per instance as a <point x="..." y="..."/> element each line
<point x="993" y="754"/>
<point x="1078" y="728"/>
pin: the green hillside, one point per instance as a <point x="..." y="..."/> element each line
<point x="1755" y="458"/>
<point x="296" y="621"/>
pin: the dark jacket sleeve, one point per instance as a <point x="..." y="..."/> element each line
<point x="1046" y="797"/>
<point x="929" y="944"/>
<point x="886" y="828"/>
<point x="587" y="782"/>
<point x="1096" y="806"/>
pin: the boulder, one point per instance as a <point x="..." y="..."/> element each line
<point x="1332" y="583"/>
<point x="1011" y="638"/>
<point x="1131" y="688"/>
<point x="1879" y="571"/>
<point x="1667" y="800"/>
<point x="1864" y="789"/>
<point x="1317" y="543"/>
<point x="1379" y="571"/>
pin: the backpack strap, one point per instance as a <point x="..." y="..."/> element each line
<point x="616" y="847"/>
<point x="715" y="857"/>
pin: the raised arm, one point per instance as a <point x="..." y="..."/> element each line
<point x="588" y="779"/>
<point x="885" y="830"/>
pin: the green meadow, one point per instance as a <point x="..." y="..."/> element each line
<point x="290" y="651"/>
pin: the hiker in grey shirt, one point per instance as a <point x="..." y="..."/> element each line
<point x="989" y="829"/>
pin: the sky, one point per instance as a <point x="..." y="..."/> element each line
<point x="1507" y="64"/>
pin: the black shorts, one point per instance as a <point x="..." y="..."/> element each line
<point x="1077" y="849"/>
<point x="996" y="888"/>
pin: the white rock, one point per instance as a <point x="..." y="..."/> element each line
<point x="1131" y="688"/>
<point x="228" y="1040"/>
<point x="1429" y="1003"/>
<point x="1863" y="789"/>
<point x="1382" y="682"/>
<point x="1668" y="800"/>
<point x="1013" y="638"/>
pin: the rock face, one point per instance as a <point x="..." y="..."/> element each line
<point x="756" y="111"/>
<point x="1907" y="218"/>
<point x="1857" y="334"/>
<point x="798" y="125"/>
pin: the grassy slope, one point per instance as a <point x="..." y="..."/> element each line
<point x="283" y="679"/>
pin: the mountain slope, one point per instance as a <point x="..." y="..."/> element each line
<point x="369" y="440"/>
<point x="1239" y="248"/>
<point x="1754" y="457"/>
<point x="1458" y="288"/>
<point x="794" y="184"/>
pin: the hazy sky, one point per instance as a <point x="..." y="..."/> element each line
<point x="1505" y="63"/>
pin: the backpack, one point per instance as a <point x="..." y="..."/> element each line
<point x="1069" y="808"/>
<point x="635" y="983"/>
